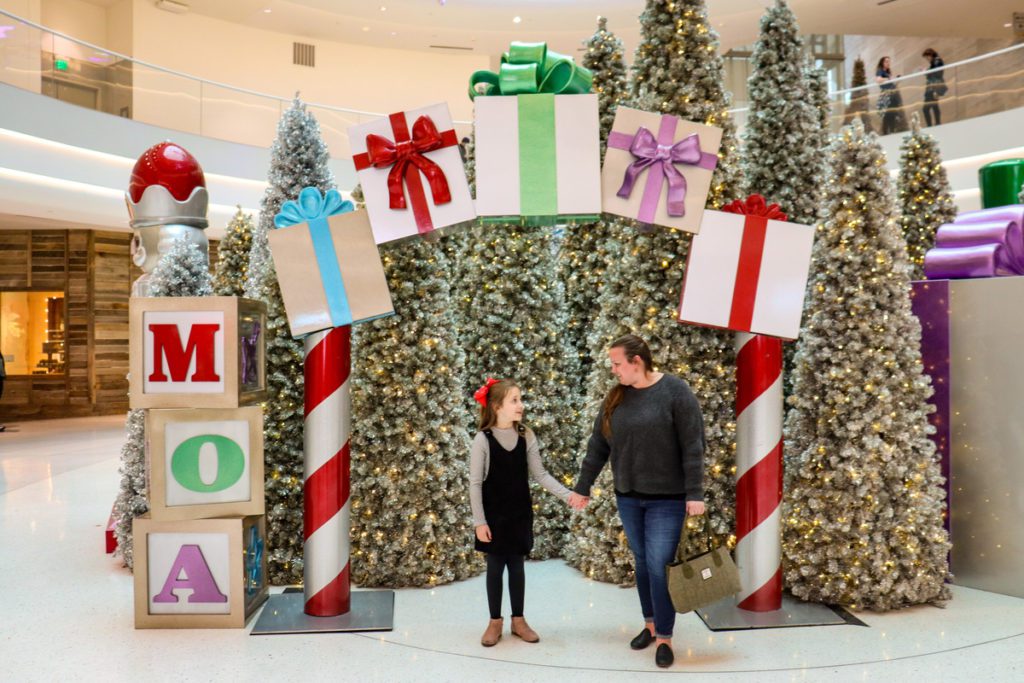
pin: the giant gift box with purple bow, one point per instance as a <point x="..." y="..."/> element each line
<point x="970" y="347"/>
<point x="658" y="168"/>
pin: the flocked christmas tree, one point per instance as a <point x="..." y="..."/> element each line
<point x="298" y="159"/>
<point x="925" y="197"/>
<point x="587" y="250"/>
<point x="860" y="104"/>
<point x="182" y="271"/>
<point x="233" y="256"/>
<point x="863" y="513"/>
<point x="677" y="71"/>
<point x="782" y="154"/>
<point x="411" y="523"/>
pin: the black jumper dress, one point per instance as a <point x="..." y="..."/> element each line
<point x="506" y="498"/>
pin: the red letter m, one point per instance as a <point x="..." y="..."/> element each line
<point x="200" y="344"/>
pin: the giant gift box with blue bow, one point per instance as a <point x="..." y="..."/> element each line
<point x="327" y="264"/>
<point x="658" y="168"/>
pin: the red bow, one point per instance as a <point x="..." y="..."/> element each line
<point x="382" y="153"/>
<point x="480" y="395"/>
<point x="755" y="205"/>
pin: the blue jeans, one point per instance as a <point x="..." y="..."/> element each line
<point x="653" y="528"/>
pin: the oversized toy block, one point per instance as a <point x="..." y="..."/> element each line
<point x="204" y="573"/>
<point x="205" y="462"/>
<point x="196" y="352"/>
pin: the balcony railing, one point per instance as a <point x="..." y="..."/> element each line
<point x="51" y="63"/>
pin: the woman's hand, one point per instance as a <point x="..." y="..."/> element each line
<point x="483" y="533"/>
<point x="578" y="502"/>
<point x="695" y="507"/>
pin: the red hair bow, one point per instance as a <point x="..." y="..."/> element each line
<point x="480" y="396"/>
<point x="755" y="205"/>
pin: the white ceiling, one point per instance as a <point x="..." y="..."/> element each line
<point x="486" y="26"/>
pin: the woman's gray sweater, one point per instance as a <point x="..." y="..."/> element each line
<point x="656" y="446"/>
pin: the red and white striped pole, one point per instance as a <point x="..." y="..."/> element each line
<point x="759" y="471"/>
<point x="328" y="363"/>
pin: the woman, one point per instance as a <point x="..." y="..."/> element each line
<point x="889" y="101"/>
<point x="935" y="87"/>
<point x="651" y="428"/>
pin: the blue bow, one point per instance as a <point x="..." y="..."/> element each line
<point x="310" y="206"/>
<point x="313" y="208"/>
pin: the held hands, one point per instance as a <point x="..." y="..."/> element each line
<point x="695" y="507"/>
<point x="578" y="502"/>
<point x="483" y="533"/>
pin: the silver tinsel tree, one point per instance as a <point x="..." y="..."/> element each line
<point x="298" y="159"/>
<point x="860" y="103"/>
<point x="782" y="154"/>
<point x="411" y="523"/>
<point x="388" y="486"/>
<point x="863" y="512"/>
<point x="677" y="71"/>
<point x="925" y="196"/>
<point x="233" y="256"/>
<point x="183" y="271"/>
<point x="588" y="250"/>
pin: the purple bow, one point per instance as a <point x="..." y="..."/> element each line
<point x="985" y="243"/>
<point x="648" y="152"/>
<point x="249" y="356"/>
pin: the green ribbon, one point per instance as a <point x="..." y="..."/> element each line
<point x="529" y="68"/>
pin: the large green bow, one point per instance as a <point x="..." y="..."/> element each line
<point x="530" y="68"/>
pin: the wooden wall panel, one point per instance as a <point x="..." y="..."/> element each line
<point x="93" y="268"/>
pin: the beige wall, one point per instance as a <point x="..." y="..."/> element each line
<point x="351" y="76"/>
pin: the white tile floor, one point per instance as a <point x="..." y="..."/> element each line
<point x="67" y="612"/>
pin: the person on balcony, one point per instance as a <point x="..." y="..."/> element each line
<point x="935" y="87"/>
<point x="890" y="104"/>
<point x="3" y="376"/>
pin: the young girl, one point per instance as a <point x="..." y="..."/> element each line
<point x="503" y="457"/>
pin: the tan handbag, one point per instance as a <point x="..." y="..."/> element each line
<point x="702" y="579"/>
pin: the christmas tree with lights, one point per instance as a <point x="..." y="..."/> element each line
<point x="782" y="154"/>
<point x="677" y="71"/>
<point x="411" y="523"/>
<point x="298" y="159"/>
<point x="182" y="271"/>
<point x="925" y="197"/>
<point x="233" y="256"/>
<point x="860" y="104"/>
<point x="588" y="250"/>
<point x="864" y="505"/>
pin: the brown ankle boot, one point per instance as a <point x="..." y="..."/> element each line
<point x="493" y="633"/>
<point x="521" y="629"/>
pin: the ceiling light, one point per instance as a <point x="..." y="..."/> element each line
<point x="172" y="6"/>
<point x="383" y="8"/>
<point x="267" y="11"/>
<point x="516" y="20"/>
<point x="366" y="28"/>
<point x="394" y="33"/>
<point x="1007" y="25"/>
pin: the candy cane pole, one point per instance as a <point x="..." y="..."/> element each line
<point x="328" y="363"/>
<point x="759" y="471"/>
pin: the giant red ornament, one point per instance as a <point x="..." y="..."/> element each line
<point x="169" y="165"/>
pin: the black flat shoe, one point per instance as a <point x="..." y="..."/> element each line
<point x="663" y="657"/>
<point x="641" y="641"/>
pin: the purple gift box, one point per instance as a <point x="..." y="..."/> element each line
<point x="986" y="243"/>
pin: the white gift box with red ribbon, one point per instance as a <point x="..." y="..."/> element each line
<point x="748" y="272"/>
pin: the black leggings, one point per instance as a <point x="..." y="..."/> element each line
<point x="516" y="583"/>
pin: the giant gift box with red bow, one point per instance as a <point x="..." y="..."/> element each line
<point x="747" y="270"/>
<point x="658" y="168"/>
<point x="411" y="172"/>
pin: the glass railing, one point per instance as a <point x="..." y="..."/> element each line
<point x="985" y="84"/>
<point x="48" y="62"/>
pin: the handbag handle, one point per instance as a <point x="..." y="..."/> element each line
<point x="680" y="547"/>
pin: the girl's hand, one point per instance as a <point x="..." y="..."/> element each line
<point x="695" y="507"/>
<point x="483" y="533"/>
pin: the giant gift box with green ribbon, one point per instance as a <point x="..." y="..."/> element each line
<point x="327" y="264"/>
<point x="538" y="155"/>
